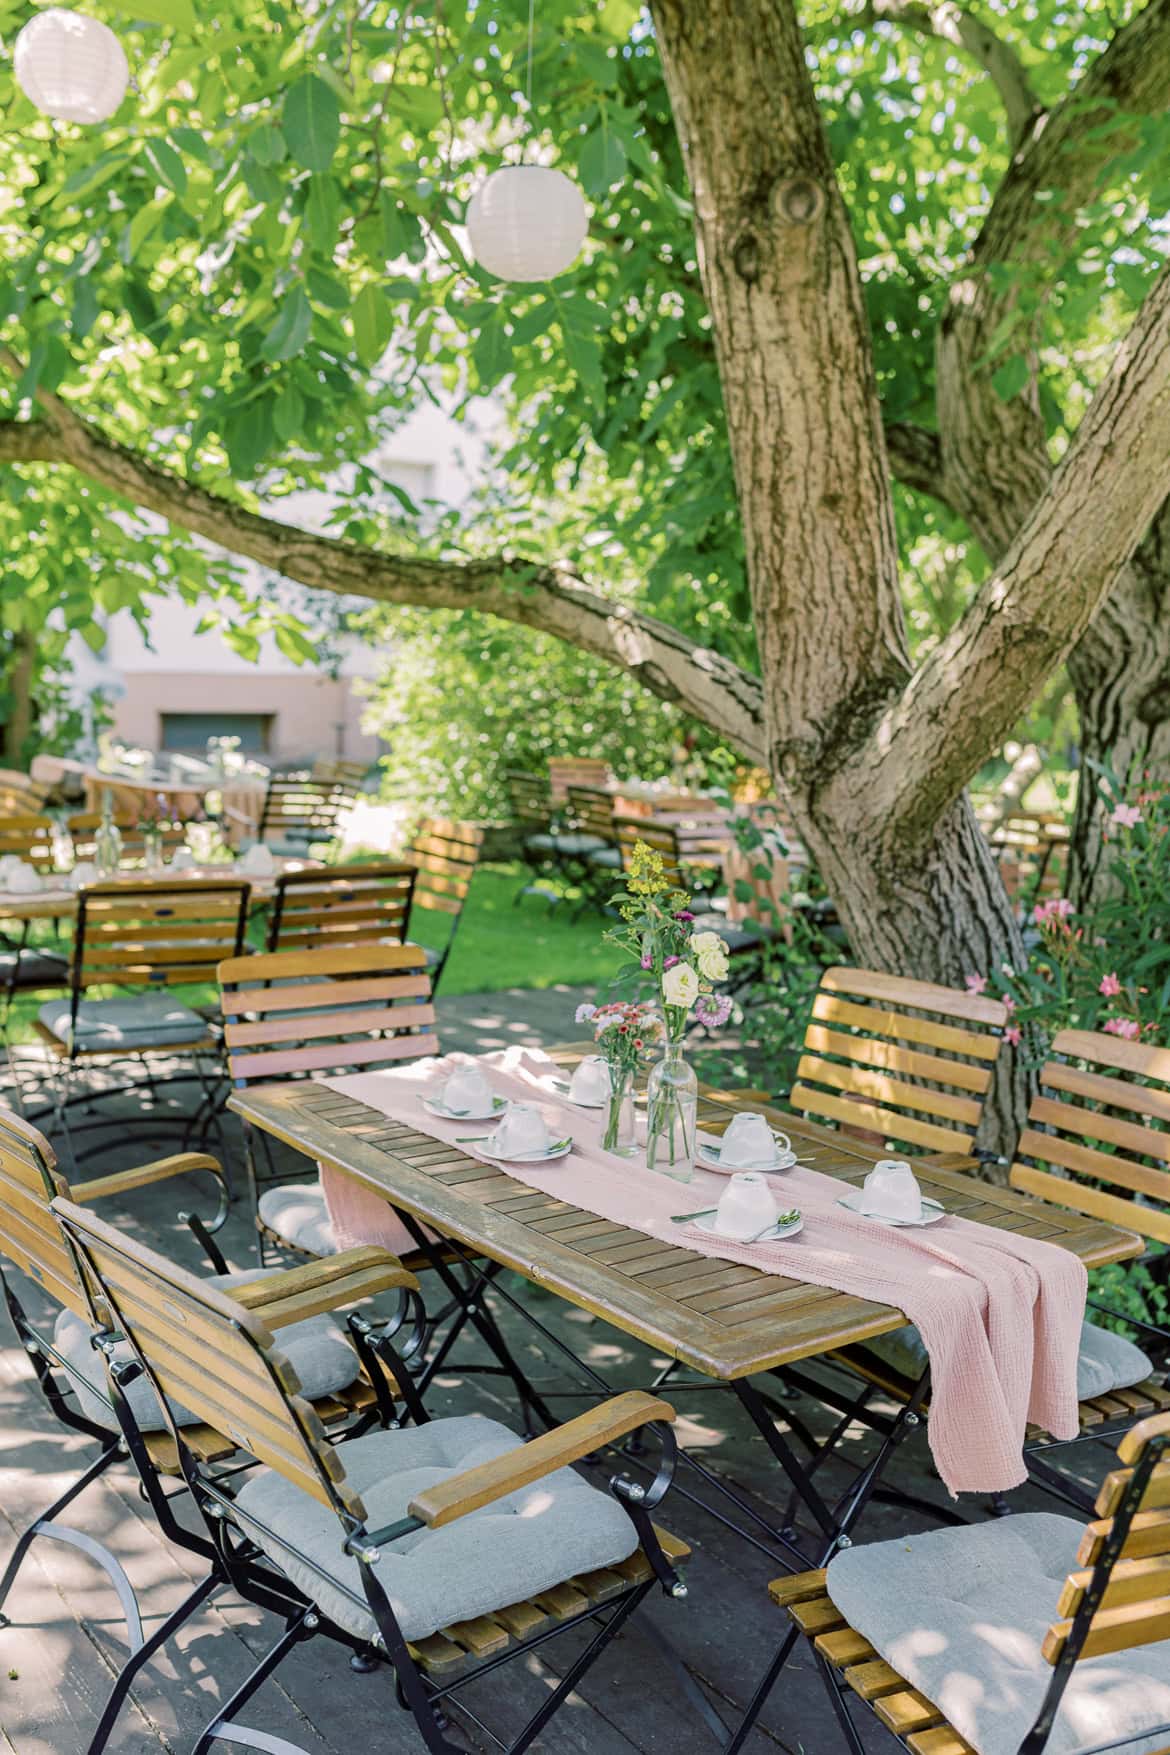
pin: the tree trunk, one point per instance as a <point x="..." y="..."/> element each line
<point x="19" y="719"/>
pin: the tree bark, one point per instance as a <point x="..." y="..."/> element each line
<point x="19" y="721"/>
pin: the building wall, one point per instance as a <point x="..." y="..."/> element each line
<point x="310" y="715"/>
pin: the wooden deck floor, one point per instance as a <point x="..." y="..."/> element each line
<point x="58" y="1656"/>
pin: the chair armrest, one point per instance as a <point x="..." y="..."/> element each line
<point x="121" y="1181"/>
<point x="453" y="1498"/>
<point x="316" y="1287"/>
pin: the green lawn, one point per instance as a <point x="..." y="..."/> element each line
<point x="498" y="945"/>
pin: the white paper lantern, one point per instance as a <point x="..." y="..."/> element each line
<point x="526" y="222"/>
<point x="70" y="67"/>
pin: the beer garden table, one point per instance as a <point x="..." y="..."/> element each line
<point x="729" y="1324"/>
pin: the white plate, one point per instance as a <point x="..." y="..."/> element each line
<point x="710" y="1159"/>
<point x="707" y="1226"/>
<point x="526" y="1157"/>
<point x="436" y="1106"/>
<point x="928" y="1217"/>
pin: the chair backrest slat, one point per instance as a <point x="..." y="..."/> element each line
<point x="659" y="837"/>
<point x="566" y="771"/>
<point x="303" y="808"/>
<point x="288" y="1013"/>
<point x="591" y="811"/>
<point x="157" y="933"/>
<point x="444" y="855"/>
<point x="344" y="905"/>
<point x="29" y="836"/>
<point x="212" y="1356"/>
<point x="1089" y="1127"/>
<point x="30" y="1236"/>
<point x="1134" y="1603"/>
<point x="84" y="825"/>
<point x="20" y="794"/>
<point x="528" y="797"/>
<point x="907" y="1060"/>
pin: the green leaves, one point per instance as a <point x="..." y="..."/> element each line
<point x="602" y="161"/>
<point x="1012" y="377"/>
<point x="373" y="324"/>
<point x="311" y="122"/>
<point x="492" y="351"/>
<point x="166" y="164"/>
<point x="291" y="329"/>
<point x="178" y="14"/>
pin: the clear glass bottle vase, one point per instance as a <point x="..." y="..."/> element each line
<point x="107" y="840"/>
<point x="620" y="1134"/>
<point x="672" y="1105"/>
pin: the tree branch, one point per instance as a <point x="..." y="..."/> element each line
<point x="1102" y="498"/>
<point x="915" y="456"/>
<point x="974" y="37"/>
<point x="550" y="598"/>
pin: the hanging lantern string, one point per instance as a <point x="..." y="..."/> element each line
<point x="528" y="78"/>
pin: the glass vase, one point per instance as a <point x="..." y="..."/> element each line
<point x="152" y="847"/>
<point x="107" y="841"/>
<point x="672" y="1103"/>
<point x="620" y="1134"/>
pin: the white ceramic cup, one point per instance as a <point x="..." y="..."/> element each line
<point x="84" y="872"/>
<point x="892" y="1190"/>
<point x="749" y="1140"/>
<point x="747" y="1206"/>
<point x="258" y="861"/>
<point x="521" y="1129"/>
<point x="24" y="881"/>
<point x="590" y="1080"/>
<point x="182" y="859"/>
<point x="468" y="1091"/>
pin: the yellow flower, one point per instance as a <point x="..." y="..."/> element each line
<point x="645" y="876"/>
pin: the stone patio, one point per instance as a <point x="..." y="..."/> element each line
<point x="58" y="1656"/>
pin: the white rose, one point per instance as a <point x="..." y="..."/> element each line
<point x="705" y="941"/>
<point x="680" y="986"/>
<point x="713" y="963"/>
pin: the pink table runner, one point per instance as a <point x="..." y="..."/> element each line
<point x="1000" y="1314"/>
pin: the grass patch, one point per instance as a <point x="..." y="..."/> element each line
<point x="501" y="943"/>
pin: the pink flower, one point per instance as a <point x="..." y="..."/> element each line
<point x="1110" y="986"/>
<point x="647" y="962"/>
<point x="1012" y="1035"/>
<point x="669" y="962"/>
<point x="976" y="984"/>
<point x="713" y="1009"/>
<point x="1009" y="1004"/>
<point x="1126" y="816"/>
<point x="1046" y="913"/>
<point x="1127" y="1027"/>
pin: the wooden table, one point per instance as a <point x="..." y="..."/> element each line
<point x="61" y="904"/>
<point x="727" y="1322"/>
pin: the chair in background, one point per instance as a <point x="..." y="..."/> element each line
<point x="590" y="819"/>
<point x="963" y="1642"/>
<point x="295" y="1014"/>
<point x="29" y="836"/>
<point x="531" y="806"/>
<point x="20" y="794"/>
<point x="1031" y="851"/>
<point x="415" y="1548"/>
<point x="745" y="940"/>
<point x="444" y="855"/>
<point x="343" y="905"/>
<point x="145" y="937"/>
<point x="566" y="771"/>
<point x="301" y="812"/>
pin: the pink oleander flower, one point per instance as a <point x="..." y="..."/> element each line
<point x="1127" y="1027"/>
<point x="976" y="984"/>
<point x="1126" y="816"/>
<point x="1052" y="912"/>
<point x="1009" y="1004"/>
<point x="1110" y="986"/>
<point x="1012" y="1035"/>
<point x="585" y="1012"/>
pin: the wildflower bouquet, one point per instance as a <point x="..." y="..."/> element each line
<point x="622" y="1031"/>
<point x="659" y="938"/>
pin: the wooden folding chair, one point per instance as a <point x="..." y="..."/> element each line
<point x="899" y="1061"/>
<point x="531" y="805"/>
<point x="69" y="1370"/>
<point x="343" y="905"/>
<point x="20" y="794"/>
<point x="300" y="812"/>
<point x="298" y="1014"/>
<point x="566" y="771"/>
<point x="147" y="936"/>
<point x="450" y="1581"/>
<point x="444" y="855"/>
<point x="953" y="1642"/>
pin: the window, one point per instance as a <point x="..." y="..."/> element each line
<point x="188" y="733"/>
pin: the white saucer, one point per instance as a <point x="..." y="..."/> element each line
<point x="931" y="1213"/>
<point x="709" y="1157"/>
<point x="564" y="1089"/>
<point x="436" y="1106"/>
<point x="708" y="1227"/>
<point x="546" y="1157"/>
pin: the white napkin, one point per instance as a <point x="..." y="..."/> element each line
<point x="258" y="861"/>
<point x="891" y="1190"/>
<point x="23" y="880"/>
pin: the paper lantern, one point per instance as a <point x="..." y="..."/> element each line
<point x="526" y="222"/>
<point x="71" y="67"/>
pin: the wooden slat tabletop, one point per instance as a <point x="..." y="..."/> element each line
<point x="723" y="1320"/>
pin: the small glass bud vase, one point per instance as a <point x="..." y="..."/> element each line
<point x="672" y="1102"/>
<point x="620" y="1134"/>
<point x="107" y="841"/>
<point x="152" y="847"/>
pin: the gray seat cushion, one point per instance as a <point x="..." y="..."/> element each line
<point x="607" y="857"/>
<point x="575" y="846"/>
<point x="1106" y="1361"/>
<point x="33" y="968"/>
<point x="962" y="1614"/>
<point x="541" y="843"/>
<point x="524" y="1543"/>
<point x="317" y="1349"/>
<point x="297" y="1214"/>
<point x="142" y="1021"/>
